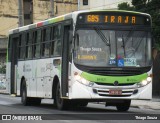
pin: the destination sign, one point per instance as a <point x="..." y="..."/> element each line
<point x="121" y="19"/>
<point x="111" y="19"/>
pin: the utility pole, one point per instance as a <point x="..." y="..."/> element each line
<point x="20" y="13"/>
<point x="52" y="8"/>
<point x="78" y="5"/>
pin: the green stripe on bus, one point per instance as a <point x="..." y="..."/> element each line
<point x="112" y="79"/>
<point x="56" y="20"/>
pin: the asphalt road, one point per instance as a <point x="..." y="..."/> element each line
<point x="92" y="113"/>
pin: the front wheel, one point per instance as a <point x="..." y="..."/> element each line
<point x="60" y="103"/>
<point x="124" y="106"/>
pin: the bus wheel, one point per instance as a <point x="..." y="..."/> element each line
<point x="60" y="103"/>
<point x="24" y="99"/>
<point x="123" y="106"/>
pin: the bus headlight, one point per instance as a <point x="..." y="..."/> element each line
<point x="144" y="82"/>
<point x="82" y="80"/>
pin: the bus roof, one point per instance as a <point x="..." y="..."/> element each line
<point x="64" y="17"/>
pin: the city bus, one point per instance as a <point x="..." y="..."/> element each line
<point x="81" y="57"/>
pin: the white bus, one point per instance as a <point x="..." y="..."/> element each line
<point x="81" y="57"/>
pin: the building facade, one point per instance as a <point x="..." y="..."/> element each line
<point x="33" y="10"/>
<point x="100" y="4"/>
<point x="30" y="11"/>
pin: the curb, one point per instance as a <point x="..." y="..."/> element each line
<point x="4" y="92"/>
<point x="13" y="95"/>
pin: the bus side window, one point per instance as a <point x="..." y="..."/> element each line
<point x="36" y="46"/>
<point x="46" y="42"/>
<point x="29" y="45"/>
<point x="56" y="41"/>
<point x="21" y="51"/>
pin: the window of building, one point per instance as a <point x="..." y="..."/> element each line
<point x="85" y="2"/>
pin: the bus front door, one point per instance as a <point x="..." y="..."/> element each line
<point x="14" y="57"/>
<point x="65" y="61"/>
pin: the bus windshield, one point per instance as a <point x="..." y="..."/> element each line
<point x="112" y="48"/>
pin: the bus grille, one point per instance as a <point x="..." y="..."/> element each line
<point x="109" y="84"/>
<point x="105" y="92"/>
<point x="116" y="72"/>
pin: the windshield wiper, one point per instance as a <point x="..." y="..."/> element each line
<point x="128" y="36"/>
<point x="103" y="37"/>
<point x="123" y="46"/>
<point x="127" y="39"/>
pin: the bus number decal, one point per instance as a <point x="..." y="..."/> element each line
<point x="93" y="18"/>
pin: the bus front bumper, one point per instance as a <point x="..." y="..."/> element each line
<point x="80" y="91"/>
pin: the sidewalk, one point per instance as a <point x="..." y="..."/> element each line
<point x="147" y="104"/>
<point x="3" y="91"/>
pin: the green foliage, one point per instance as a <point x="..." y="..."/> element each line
<point x="139" y="4"/>
<point x="125" y="6"/>
<point x="3" y="69"/>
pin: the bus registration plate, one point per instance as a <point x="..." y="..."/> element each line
<point x="115" y="92"/>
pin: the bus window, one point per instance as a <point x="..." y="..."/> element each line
<point x="46" y="42"/>
<point x="21" y="50"/>
<point x="37" y="40"/>
<point x="56" y="42"/>
<point x="29" y="45"/>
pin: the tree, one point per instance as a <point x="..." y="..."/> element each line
<point x="125" y="6"/>
<point x="139" y="4"/>
<point x="3" y="69"/>
<point x="153" y="8"/>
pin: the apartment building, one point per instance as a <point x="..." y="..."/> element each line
<point x="30" y="11"/>
<point x="100" y="4"/>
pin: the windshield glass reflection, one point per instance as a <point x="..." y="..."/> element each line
<point x="109" y="48"/>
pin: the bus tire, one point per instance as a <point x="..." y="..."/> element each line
<point x="24" y="99"/>
<point x="60" y="103"/>
<point x="124" y="106"/>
